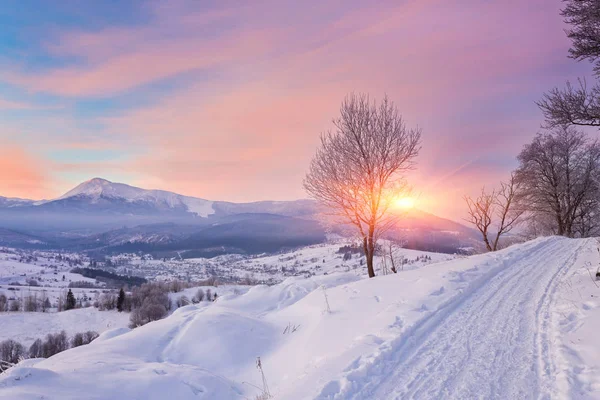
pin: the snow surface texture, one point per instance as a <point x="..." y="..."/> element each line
<point x="98" y="187"/>
<point x="488" y="326"/>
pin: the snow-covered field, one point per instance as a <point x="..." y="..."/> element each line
<point x="516" y="324"/>
<point x="26" y="327"/>
<point x="48" y="269"/>
<point x="322" y="259"/>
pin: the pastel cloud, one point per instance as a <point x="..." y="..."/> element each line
<point x="252" y="87"/>
<point x="21" y="174"/>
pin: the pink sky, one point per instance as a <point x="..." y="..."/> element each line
<point x="227" y="103"/>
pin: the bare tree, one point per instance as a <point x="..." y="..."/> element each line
<point x="360" y="167"/>
<point x="481" y="213"/>
<point x="391" y="250"/>
<point x="11" y="351"/>
<point x="497" y="205"/>
<point x="557" y="174"/>
<point x="44" y="301"/>
<point x="507" y="211"/>
<point x="54" y="344"/>
<point x="584" y="18"/>
<point x="577" y="105"/>
<point x="3" y="302"/>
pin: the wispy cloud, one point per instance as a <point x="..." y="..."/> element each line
<point x="228" y="101"/>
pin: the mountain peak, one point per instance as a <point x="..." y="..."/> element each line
<point x="94" y="188"/>
<point x="97" y="189"/>
<point x="101" y="181"/>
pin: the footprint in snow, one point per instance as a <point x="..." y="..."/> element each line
<point x="423" y="308"/>
<point x="588" y="305"/>
<point x="195" y="389"/>
<point x="398" y="323"/>
<point x="438" y="292"/>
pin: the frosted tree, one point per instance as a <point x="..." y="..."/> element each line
<point x="360" y="167"/>
<point x="558" y="176"/>
<point x="578" y="104"/>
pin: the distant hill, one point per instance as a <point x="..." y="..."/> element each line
<point x="103" y="216"/>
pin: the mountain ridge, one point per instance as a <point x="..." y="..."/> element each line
<point x="102" y="215"/>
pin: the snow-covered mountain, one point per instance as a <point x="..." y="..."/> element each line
<point x="100" y="190"/>
<point x="99" y="214"/>
<point x="101" y="195"/>
<point x="7" y="202"/>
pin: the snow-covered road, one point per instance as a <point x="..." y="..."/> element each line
<point x="492" y="343"/>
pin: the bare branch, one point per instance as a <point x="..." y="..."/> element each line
<point x="480" y="212"/>
<point x="571" y="106"/>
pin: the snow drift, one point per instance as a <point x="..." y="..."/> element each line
<point x="484" y="326"/>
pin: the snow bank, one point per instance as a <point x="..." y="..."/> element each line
<point x="208" y="351"/>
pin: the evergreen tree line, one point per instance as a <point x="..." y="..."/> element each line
<point x="110" y="278"/>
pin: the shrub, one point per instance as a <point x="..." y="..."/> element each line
<point x="182" y="301"/>
<point x="36" y="349"/>
<point x="107" y="301"/>
<point x="157" y="292"/>
<point x="176" y="286"/>
<point x="11" y="351"/>
<point x="199" y="296"/>
<point x="83" y="338"/>
<point x="148" y="312"/>
<point x="15" y="305"/>
<point x="30" y="303"/>
<point x="54" y="344"/>
<point x="90" y="336"/>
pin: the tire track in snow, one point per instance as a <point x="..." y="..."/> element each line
<point x="488" y="342"/>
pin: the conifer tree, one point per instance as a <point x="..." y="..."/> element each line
<point x="71" y="302"/>
<point x="121" y="300"/>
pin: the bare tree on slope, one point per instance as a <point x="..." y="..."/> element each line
<point x="360" y="168"/>
<point x="499" y="206"/>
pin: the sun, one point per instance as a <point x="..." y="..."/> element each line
<point x="405" y="203"/>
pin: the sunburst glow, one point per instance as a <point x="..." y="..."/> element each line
<point x="405" y="202"/>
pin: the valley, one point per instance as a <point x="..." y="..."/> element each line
<point x="105" y="218"/>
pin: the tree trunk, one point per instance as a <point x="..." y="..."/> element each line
<point x="561" y="228"/>
<point x="488" y="246"/>
<point x="370" y="251"/>
<point x="496" y="242"/>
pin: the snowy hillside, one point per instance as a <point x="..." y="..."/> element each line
<point x="13" y="202"/>
<point x="322" y="259"/>
<point x="505" y="325"/>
